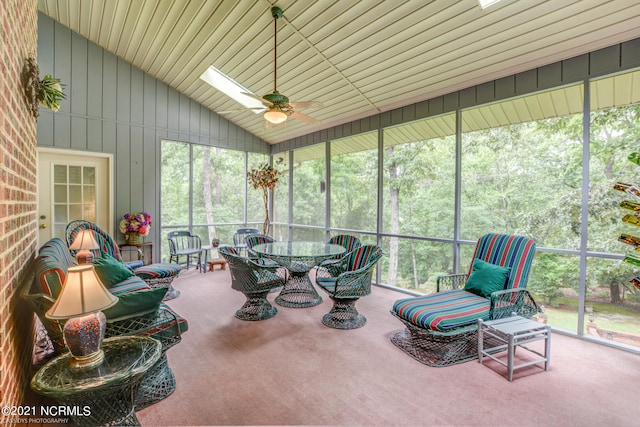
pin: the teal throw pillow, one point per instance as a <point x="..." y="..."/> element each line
<point x="110" y="270"/>
<point x="486" y="278"/>
<point x="136" y="303"/>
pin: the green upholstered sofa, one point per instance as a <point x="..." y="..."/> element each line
<point x="138" y="312"/>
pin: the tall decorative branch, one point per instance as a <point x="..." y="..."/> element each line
<point x="264" y="177"/>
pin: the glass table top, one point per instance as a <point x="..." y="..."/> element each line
<point x="299" y="249"/>
<point x="124" y="357"/>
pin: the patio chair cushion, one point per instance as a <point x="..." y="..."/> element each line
<point x="486" y="278"/>
<point x="136" y="302"/>
<point x="131" y="284"/>
<point x="443" y="311"/>
<point x="158" y="270"/>
<point x="110" y="270"/>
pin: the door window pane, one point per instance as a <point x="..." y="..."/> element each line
<point x="73" y="197"/>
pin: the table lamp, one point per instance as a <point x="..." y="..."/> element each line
<point x="82" y="297"/>
<point x="83" y="242"/>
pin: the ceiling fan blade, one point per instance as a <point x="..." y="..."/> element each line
<point x="264" y="101"/>
<point x="305" y="118"/>
<point x="305" y="104"/>
<point x="239" y="110"/>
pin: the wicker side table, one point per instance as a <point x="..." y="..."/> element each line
<point x="104" y="394"/>
<point x="513" y="332"/>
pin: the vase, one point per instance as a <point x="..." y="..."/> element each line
<point x="134" y="239"/>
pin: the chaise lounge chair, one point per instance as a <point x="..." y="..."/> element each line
<point x="441" y="328"/>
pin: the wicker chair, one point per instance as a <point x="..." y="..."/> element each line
<point x="240" y="235"/>
<point x="441" y="328"/>
<point x="254" y="280"/>
<point x="353" y="283"/>
<point x="157" y="275"/>
<point x="331" y="267"/>
<point x="184" y="244"/>
<point x="252" y="240"/>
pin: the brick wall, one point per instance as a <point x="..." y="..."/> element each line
<point x="18" y="204"/>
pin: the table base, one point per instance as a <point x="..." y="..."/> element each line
<point x="113" y="406"/>
<point x="513" y="332"/>
<point x="298" y="292"/>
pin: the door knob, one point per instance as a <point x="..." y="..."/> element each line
<point x="43" y="225"/>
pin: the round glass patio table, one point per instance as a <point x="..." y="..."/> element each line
<point x="105" y="394"/>
<point x="298" y="258"/>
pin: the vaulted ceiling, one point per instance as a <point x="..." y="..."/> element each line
<point x="358" y="58"/>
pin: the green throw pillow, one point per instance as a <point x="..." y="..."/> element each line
<point x="136" y="302"/>
<point x="110" y="270"/>
<point x="486" y="278"/>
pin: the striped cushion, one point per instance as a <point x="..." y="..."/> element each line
<point x="258" y="239"/>
<point x="361" y="256"/>
<point x="157" y="271"/>
<point x="345" y="240"/>
<point x="132" y="284"/>
<point x="443" y="311"/>
<point x="227" y="249"/>
<point x="51" y="266"/>
<point x="327" y="283"/>
<point x="515" y="252"/>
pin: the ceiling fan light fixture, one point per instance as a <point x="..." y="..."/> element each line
<point x="275" y="115"/>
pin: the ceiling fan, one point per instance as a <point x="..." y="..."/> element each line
<point x="277" y="107"/>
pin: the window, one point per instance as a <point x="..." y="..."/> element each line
<point x="354" y="182"/>
<point x="419" y="200"/>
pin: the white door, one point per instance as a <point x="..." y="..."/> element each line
<point x="73" y="185"/>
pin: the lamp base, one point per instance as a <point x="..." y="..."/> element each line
<point x="84" y="256"/>
<point x="83" y="335"/>
<point x="87" y="362"/>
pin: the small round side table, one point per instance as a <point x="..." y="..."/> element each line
<point x="104" y="394"/>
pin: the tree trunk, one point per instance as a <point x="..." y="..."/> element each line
<point x="614" y="290"/>
<point x="266" y="225"/>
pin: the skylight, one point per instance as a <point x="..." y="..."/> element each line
<point x="486" y="3"/>
<point x="231" y="88"/>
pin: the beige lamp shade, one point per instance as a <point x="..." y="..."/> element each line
<point x="84" y="240"/>
<point x="82" y="293"/>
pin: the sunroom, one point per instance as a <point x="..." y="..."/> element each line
<point x="521" y="144"/>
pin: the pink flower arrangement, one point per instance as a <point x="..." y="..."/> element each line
<point x="139" y="223"/>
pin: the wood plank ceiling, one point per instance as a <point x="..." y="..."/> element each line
<point x="358" y="58"/>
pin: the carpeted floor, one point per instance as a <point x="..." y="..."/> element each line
<point x="293" y="370"/>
